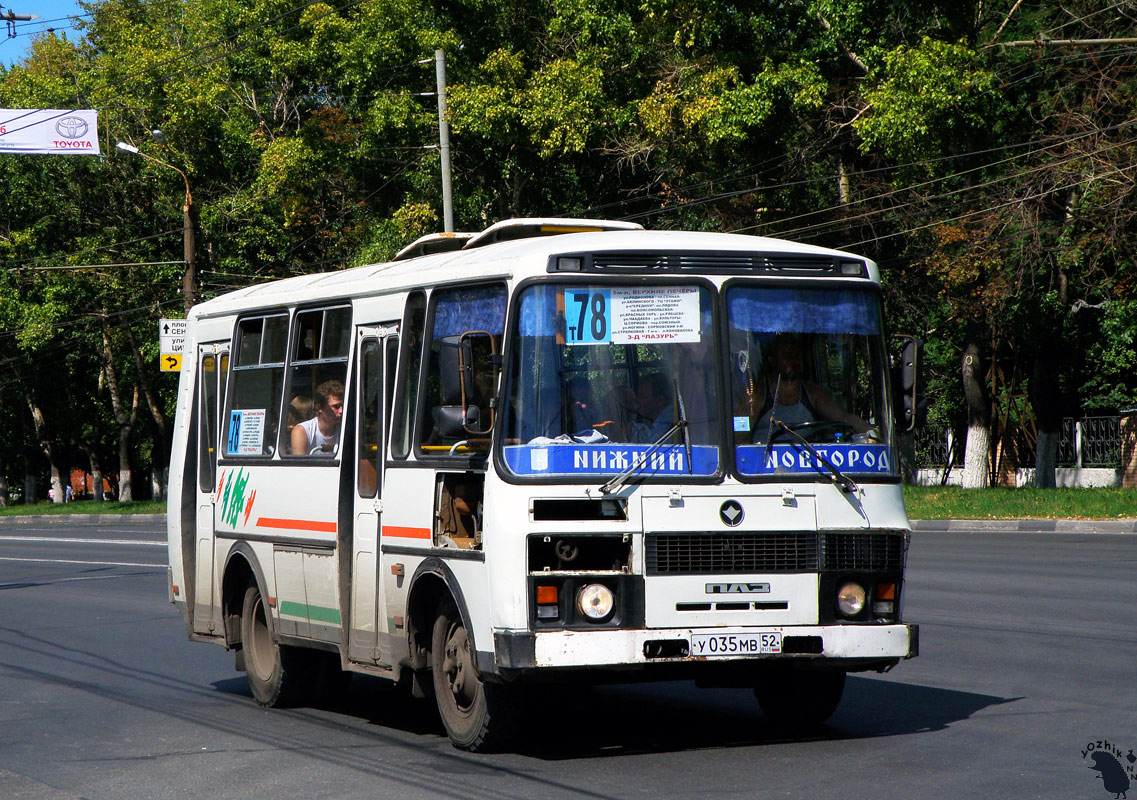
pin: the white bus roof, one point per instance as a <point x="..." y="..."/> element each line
<point x="512" y="258"/>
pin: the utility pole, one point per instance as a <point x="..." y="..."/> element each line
<point x="444" y="142"/>
<point x="189" y="277"/>
<point x="10" y="20"/>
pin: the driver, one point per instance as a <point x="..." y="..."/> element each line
<point x="791" y="399"/>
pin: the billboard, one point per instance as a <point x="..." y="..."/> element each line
<point x="49" y="131"/>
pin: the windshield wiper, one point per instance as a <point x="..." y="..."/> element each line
<point x="637" y="464"/>
<point x="686" y="427"/>
<point x="842" y="480"/>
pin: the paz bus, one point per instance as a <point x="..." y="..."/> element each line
<point x="557" y="451"/>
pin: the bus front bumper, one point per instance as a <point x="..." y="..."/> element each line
<point x="854" y="644"/>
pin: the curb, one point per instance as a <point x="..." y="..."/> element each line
<point x="1026" y="525"/>
<point x="141" y="519"/>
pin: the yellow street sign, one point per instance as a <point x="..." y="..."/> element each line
<point x="171" y="363"/>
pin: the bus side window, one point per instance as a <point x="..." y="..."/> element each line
<point x="258" y="377"/>
<point x="455" y="312"/>
<point x="410" y="363"/>
<point x="316" y="377"/>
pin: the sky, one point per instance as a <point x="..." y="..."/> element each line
<point x="52" y="14"/>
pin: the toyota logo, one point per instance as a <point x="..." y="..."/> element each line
<point x="71" y="127"/>
<point x="731" y="514"/>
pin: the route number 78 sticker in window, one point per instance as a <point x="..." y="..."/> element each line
<point x="664" y="314"/>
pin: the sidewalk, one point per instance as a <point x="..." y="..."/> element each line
<point x="118" y="519"/>
<point x="1026" y="525"/>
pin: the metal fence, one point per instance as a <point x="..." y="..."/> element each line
<point x="1084" y="442"/>
<point x="1090" y="442"/>
<point x="933" y="446"/>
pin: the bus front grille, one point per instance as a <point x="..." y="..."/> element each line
<point x="742" y="553"/>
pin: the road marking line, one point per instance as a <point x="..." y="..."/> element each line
<point x="69" y="561"/>
<point x="143" y="542"/>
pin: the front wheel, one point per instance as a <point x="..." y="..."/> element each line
<point x="800" y="699"/>
<point x="278" y="675"/>
<point x="478" y="716"/>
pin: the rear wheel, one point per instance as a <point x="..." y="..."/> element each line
<point x="478" y="716"/>
<point x="278" y="675"/>
<point x="800" y="699"/>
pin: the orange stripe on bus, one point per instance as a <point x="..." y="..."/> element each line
<point x="296" y="524"/>
<point x="406" y="533"/>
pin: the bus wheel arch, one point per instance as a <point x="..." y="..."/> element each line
<point x="432" y="585"/>
<point x="241" y="570"/>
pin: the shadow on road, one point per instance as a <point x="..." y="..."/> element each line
<point x="571" y="723"/>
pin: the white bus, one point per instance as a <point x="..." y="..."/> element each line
<point x="557" y="451"/>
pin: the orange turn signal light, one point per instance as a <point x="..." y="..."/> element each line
<point x="546" y="595"/>
<point x="886" y="591"/>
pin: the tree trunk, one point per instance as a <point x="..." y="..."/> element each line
<point x="1046" y="459"/>
<point x="124" y="420"/>
<point x="96" y="474"/>
<point x="97" y="479"/>
<point x="975" y="458"/>
<point x="47" y="445"/>
<point x="3" y="482"/>
<point x="1046" y="401"/>
<point x="906" y="447"/>
<point x="30" y="481"/>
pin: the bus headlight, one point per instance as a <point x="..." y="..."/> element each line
<point x="851" y="599"/>
<point x="595" y="601"/>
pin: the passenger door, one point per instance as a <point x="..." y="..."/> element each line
<point x="212" y="368"/>
<point x="376" y="352"/>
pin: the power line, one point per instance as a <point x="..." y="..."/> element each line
<point x="923" y="162"/>
<point x="843" y="221"/>
<point x="80" y="267"/>
<point x="996" y="207"/>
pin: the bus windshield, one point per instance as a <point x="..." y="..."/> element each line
<point x="807" y="362"/>
<point x="607" y="378"/>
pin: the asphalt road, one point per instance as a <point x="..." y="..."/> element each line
<point x="1028" y="652"/>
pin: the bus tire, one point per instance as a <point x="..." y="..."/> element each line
<point x="277" y="674"/>
<point x="800" y="700"/>
<point x="477" y="716"/>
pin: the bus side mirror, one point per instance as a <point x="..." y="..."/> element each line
<point x="907" y="383"/>
<point x="456" y="423"/>
<point x="454" y="364"/>
<point x="468" y="365"/>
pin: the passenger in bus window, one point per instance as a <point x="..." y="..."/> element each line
<point x="320" y="435"/>
<point x="790" y="398"/>
<point x="299" y="409"/>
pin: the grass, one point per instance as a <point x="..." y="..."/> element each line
<point x="952" y="502"/>
<point x="924" y="502"/>
<point x="85" y="507"/>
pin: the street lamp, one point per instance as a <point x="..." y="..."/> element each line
<point x="189" y="277"/>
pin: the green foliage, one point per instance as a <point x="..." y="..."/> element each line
<point x="306" y="134"/>
<point x="926" y="96"/>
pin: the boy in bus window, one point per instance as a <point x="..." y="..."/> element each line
<point x="320" y="435"/>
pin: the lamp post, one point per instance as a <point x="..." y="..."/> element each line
<point x="189" y="277"/>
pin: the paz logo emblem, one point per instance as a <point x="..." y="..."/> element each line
<point x="730" y="513"/>
<point x="71" y="127"/>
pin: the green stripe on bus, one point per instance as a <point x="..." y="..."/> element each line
<point x="310" y="613"/>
